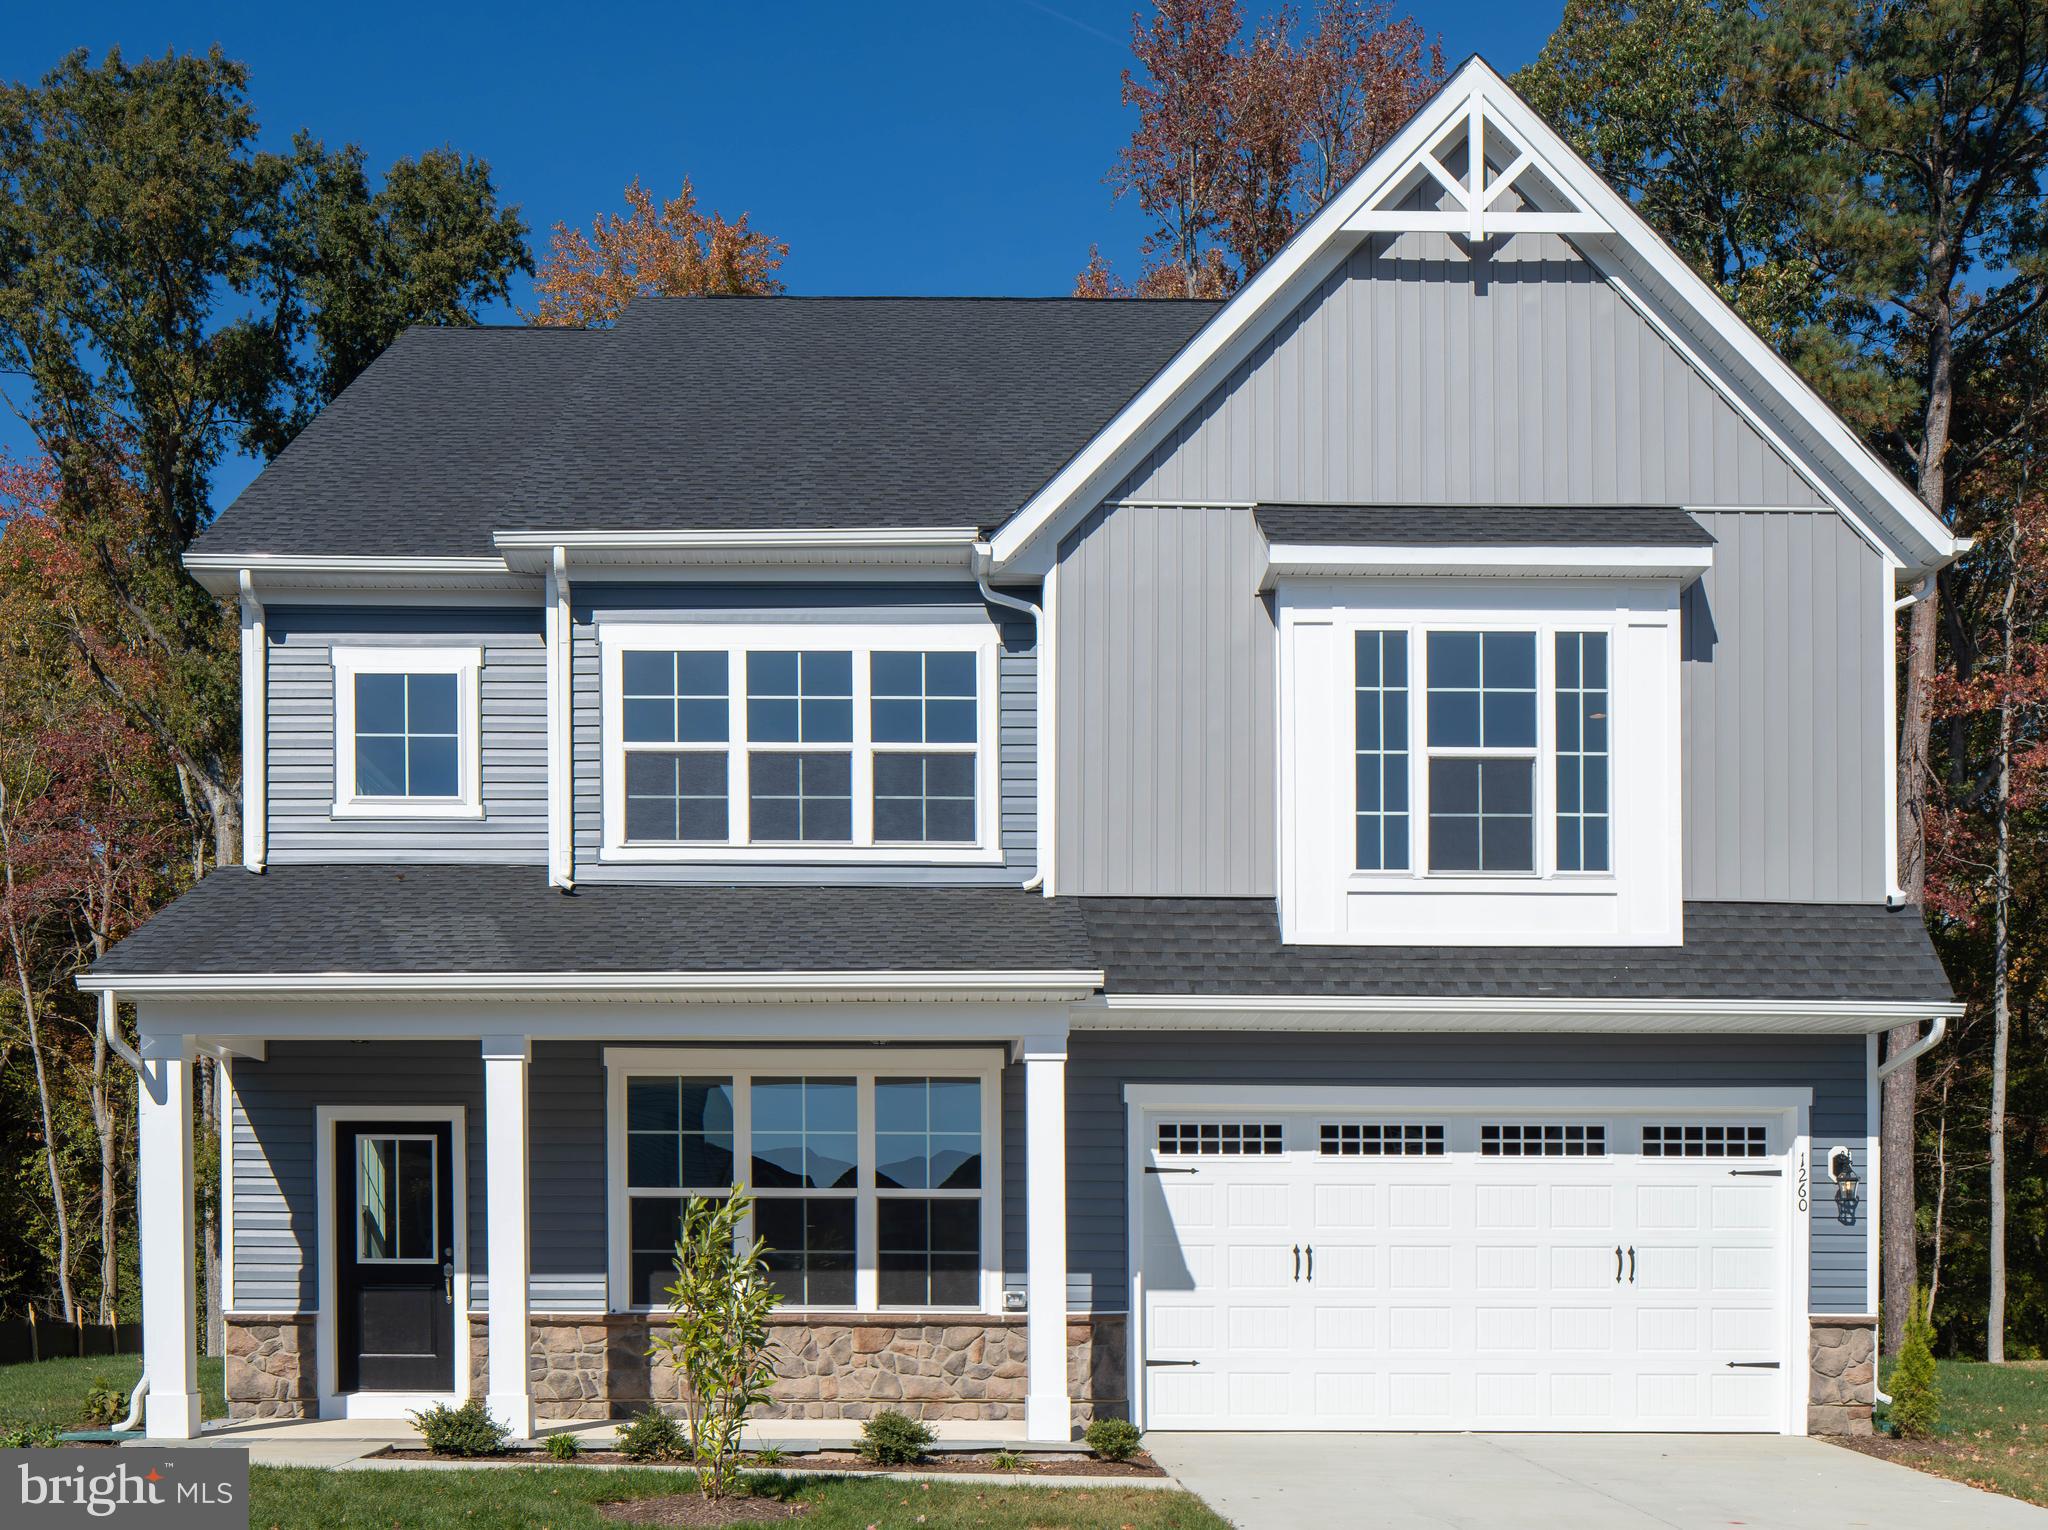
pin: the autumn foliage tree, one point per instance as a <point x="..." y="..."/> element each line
<point x="668" y="250"/>
<point x="1242" y="135"/>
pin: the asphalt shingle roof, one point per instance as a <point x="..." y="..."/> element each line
<point x="504" y="919"/>
<point x="1791" y="951"/>
<point x="1461" y="526"/>
<point x="707" y="414"/>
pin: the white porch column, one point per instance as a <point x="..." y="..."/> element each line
<point x="1047" y="1416"/>
<point x="163" y="1197"/>
<point x="510" y="1396"/>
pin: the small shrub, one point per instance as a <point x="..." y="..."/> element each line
<point x="894" y="1439"/>
<point x="28" y="1436"/>
<point x="465" y="1431"/>
<point x="1006" y="1461"/>
<point x="104" y="1407"/>
<point x="562" y="1447"/>
<point x="770" y="1455"/>
<point x="1916" y="1394"/>
<point x="654" y="1436"/>
<point x="1113" y="1439"/>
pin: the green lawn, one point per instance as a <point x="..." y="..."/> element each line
<point x="560" y="1497"/>
<point x="53" y="1391"/>
<point x="1994" y="1429"/>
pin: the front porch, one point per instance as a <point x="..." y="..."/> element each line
<point x="531" y="1112"/>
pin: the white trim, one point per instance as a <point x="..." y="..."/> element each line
<point x="1895" y="895"/>
<point x="1873" y="1171"/>
<point x="220" y="573"/>
<point x="1046" y="756"/>
<point x="1394" y="1013"/>
<point x="224" y="1085"/>
<point x="864" y="1065"/>
<point x="1340" y="560"/>
<point x="508" y="1229"/>
<point x="1793" y="1106"/>
<point x="465" y="663"/>
<point x="1919" y="537"/>
<point x="527" y="551"/>
<point x="255" y="726"/>
<point x="962" y="633"/>
<point x="384" y="1405"/>
<point x="561" y="643"/>
<point x="1077" y="983"/>
<point x="1048" y="1412"/>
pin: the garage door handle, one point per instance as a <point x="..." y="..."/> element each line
<point x="1617" y="1264"/>
<point x="1631" y="1264"/>
<point x="1297" y="1261"/>
<point x="1311" y="1263"/>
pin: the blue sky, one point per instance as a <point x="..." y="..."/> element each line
<point x="898" y="147"/>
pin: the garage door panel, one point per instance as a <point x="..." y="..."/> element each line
<point x="1342" y="1328"/>
<point x="1582" y="1330"/>
<point x="1582" y="1267"/>
<point x="1498" y="1267"/>
<point x="1344" y="1208"/>
<point x="1419" y="1266"/>
<point x="1345" y="1267"/>
<point x="1744" y="1206"/>
<point x="1419" y="1329"/>
<point x="1419" y="1206"/>
<point x="1508" y="1330"/>
<point x="1507" y="1208"/>
<point x="1667" y="1330"/>
<point x="1582" y="1208"/>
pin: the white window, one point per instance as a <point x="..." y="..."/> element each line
<point x="801" y="742"/>
<point x="876" y="1175"/>
<point x="396" y="1201"/>
<point x="406" y="733"/>
<point x="1462" y="768"/>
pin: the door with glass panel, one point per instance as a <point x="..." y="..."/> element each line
<point x="395" y="1234"/>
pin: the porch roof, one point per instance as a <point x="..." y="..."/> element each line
<point x="1766" y="952"/>
<point x="507" y="921"/>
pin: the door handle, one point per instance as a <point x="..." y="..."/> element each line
<point x="1631" y="1264"/>
<point x="1311" y="1263"/>
<point x="1617" y="1264"/>
<point x="1297" y="1261"/>
<point x="448" y="1281"/>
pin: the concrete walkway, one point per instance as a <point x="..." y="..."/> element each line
<point x="1568" y="1482"/>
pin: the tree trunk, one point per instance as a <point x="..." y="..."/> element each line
<point x="1940" y="1193"/>
<point x="35" y="1046"/>
<point x="103" y="1127"/>
<point x="2001" y="952"/>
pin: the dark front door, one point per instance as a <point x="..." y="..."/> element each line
<point x="394" y="1251"/>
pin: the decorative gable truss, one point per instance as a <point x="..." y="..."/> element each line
<point x="1523" y="179"/>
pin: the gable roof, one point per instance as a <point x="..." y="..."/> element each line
<point x="705" y="414"/>
<point x="1526" y="180"/>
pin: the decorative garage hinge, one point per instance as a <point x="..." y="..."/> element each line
<point x="1155" y="1169"/>
<point x="1503" y="188"/>
<point x="1753" y="1365"/>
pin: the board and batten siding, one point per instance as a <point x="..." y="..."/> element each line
<point x="1783" y="682"/>
<point x="512" y="695"/>
<point x="1017" y="720"/>
<point x="1415" y="374"/>
<point x="1100" y="1064"/>
<point x="276" y="1232"/>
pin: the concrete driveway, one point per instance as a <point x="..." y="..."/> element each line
<point x="1568" y="1482"/>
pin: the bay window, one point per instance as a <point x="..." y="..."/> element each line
<point x="874" y="1174"/>
<point x="800" y="742"/>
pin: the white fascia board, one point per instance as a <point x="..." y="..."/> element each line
<point x="528" y="551"/>
<point x="684" y="986"/>
<point x="1317" y="1012"/>
<point x="1022" y="545"/>
<point x="1340" y="560"/>
<point x="220" y="573"/>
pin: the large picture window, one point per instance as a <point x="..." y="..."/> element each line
<point x="1510" y="777"/>
<point x="875" y="1185"/>
<point x="800" y="742"/>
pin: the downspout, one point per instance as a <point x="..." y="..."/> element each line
<point x="255" y="728"/>
<point x="995" y="597"/>
<point x="1915" y="593"/>
<point x="111" y="1030"/>
<point x="1937" y="1028"/>
<point x="561" y="634"/>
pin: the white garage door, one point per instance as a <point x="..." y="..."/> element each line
<point x="1305" y="1270"/>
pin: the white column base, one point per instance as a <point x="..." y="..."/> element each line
<point x="506" y="1235"/>
<point x="1048" y="1414"/>
<point x="173" y="1416"/>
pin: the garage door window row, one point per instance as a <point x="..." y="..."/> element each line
<point x="1220" y="1139"/>
<point x="1381" y="1139"/>
<point x="1705" y="1141"/>
<point x="1554" y="1139"/>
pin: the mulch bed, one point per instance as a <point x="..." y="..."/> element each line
<point x="952" y="1462"/>
<point x="696" y="1510"/>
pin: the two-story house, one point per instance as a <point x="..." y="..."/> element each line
<point x="1324" y="860"/>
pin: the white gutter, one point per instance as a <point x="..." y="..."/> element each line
<point x="1069" y="984"/>
<point x="528" y="551"/>
<point x="1937" y="1028"/>
<point x="1043" y="701"/>
<point x="255" y="726"/>
<point x="1319" y="1012"/>
<point x="1915" y="594"/>
<point x="220" y="573"/>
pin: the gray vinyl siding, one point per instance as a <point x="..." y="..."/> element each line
<point x="1167" y="717"/>
<point x="1099" y="1065"/>
<point x="512" y="693"/>
<point x="276" y="1231"/>
<point x="1784" y="689"/>
<point x="1417" y="375"/>
<point x="1166" y="706"/>
<point x="1017" y="718"/>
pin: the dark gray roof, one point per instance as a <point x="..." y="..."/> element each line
<point x="1792" y="951"/>
<point x="1504" y="525"/>
<point x="707" y="414"/>
<point x="502" y="919"/>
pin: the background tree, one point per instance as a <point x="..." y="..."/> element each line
<point x="673" y="250"/>
<point x="1241" y="137"/>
